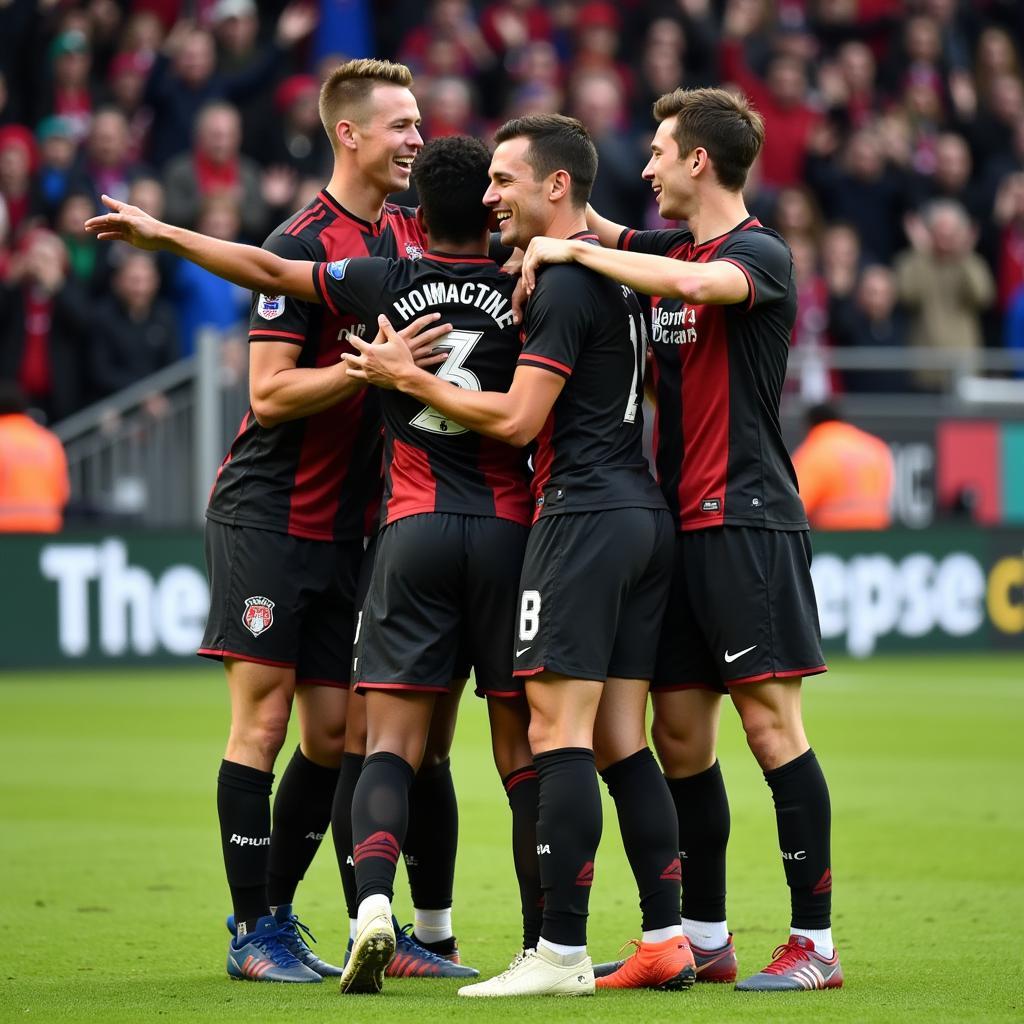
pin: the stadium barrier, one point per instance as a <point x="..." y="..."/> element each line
<point x="99" y="598"/>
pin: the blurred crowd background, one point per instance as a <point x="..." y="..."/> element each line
<point x="894" y="161"/>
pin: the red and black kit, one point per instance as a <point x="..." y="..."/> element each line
<point x="314" y="477"/>
<point x="595" y="574"/>
<point x="719" y="372"/>
<point x="591" y="331"/>
<point x="457" y="506"/>
<point x="742" y="607"/>
<point x="433" y="464"/>
<point x="303" y="493"/>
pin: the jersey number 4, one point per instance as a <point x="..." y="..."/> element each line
<point x="458" y="345"/>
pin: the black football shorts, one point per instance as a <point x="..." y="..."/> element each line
<point x="592" y="594"/>
<point x="741" y="610"/>
<point x="442" y="596"/>
<point x="282" y="600"/>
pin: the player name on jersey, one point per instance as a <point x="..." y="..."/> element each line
<point x="466" y="293"/>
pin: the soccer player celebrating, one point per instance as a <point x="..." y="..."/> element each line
<point x="284" y="543"/>
<point x="456" y="512"/>
<point x="742" y="617"/>
<point x="596" y="571"/>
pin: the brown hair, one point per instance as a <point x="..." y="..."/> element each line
<point x="344" y="93"/>
<point x="721" y="122"/>
<point x="557" y="143"/>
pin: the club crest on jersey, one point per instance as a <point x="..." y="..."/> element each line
<point x="413" y="251"/>
<point x="270" y="307"/>
<point x="258" y="616"/>
<point x="337" y="268"/>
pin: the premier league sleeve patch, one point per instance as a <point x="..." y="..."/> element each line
<point x="270" y="307"/>
<point x="337" y="269"/>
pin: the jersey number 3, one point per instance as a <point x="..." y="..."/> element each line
<point x="458" y="345"/>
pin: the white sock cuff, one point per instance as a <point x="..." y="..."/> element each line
<point x="432" y="925"/>
<point x="560" y="949"/>
<point x="821" y="937"/>
<point x="662" y="934"/>
<point x="706" y="934"/>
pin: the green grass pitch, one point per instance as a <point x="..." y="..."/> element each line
<point x="114" y="899"/>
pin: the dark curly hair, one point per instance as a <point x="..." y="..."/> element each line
<point x="450" y="175"/>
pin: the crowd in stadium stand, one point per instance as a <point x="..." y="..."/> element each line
<point x="894" y="161"/>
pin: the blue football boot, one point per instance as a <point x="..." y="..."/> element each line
<point x="292" y="930"/>
<point x="262" y="955"/>
<point x="411" y="960"/>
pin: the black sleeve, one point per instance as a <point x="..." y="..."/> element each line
<point x="655" y="243"/>
<point x="278" y="317"/>
<point x="766" y="261"/>
<point x="353" y="286"/>
<point x="555" y="328"/>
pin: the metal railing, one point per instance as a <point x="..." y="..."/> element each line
<point x="149" y="453"/>
<point x="960" y="379"/>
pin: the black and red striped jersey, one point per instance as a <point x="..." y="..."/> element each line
<point x="318" y="477"/>
<point x="591" y="331"/>
<point x="719" y="372"/>
<point x="431" y="463"/>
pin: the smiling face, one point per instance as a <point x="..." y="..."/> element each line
<point x="517" y="199"/>
<point x="669" y="173"/>
<point x="386" y="137"/>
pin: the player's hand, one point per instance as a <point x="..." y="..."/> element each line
<point x="544" y="250"/>
<point x="388" y="361"/>
<point x="420" y="336"/>
<point x="126" y="224"/>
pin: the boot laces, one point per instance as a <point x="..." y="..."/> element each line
<point x="785" y="957"/>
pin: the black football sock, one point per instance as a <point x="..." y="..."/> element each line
<point x="380" y="817"/>
<point x="804" y="817"/>
<point x="243" y="807"/>
<point x="568" y="833"/>
<point x="432" y="838"/>
<point x="341" y="827"/>
<point x="702" y="807"/>
<point x="522" y="789"/>
<point x="302" y="812"/>
<point x="647" y="820"/>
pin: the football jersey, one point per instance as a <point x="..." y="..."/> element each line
<point x="431" y="463"/>
<point x="719" y="372"/>
<point x="319" y="476"/>
<point x="591" y="331"/>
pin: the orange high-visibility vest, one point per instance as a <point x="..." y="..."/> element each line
<point x="846" y="478"/>
<point x="33" y="477"/>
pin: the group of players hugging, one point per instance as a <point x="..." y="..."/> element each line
<point x="495" y="342"/>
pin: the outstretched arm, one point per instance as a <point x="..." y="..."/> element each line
<point x="717" y="283"/>
<point x="515" y="416"/>
<point x="245" y="265"/>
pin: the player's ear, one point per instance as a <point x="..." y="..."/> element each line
<point x="421" y="221"/>
<point x="698" y="160"/>
<point x="345" y="134"/>
<point x="560" y="184"/>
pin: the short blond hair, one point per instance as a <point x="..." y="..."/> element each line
<point x="344" y="94"/>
